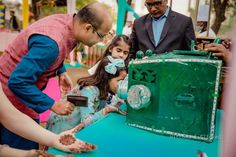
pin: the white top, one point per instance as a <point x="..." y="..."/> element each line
<point x="92" y="70"/>
<point x="127" y="30"/>
<point x="204" y="34"/>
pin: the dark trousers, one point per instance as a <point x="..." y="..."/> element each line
<point x="9" y="138"/>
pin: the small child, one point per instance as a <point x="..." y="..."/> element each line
<point x="119" y="47"/>
<point x="96" y="87"/>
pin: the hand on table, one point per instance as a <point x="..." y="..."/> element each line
<point x="111" y="108"/>
<point x="67" y="142"/>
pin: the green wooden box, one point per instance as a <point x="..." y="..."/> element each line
<point x="183" y="88"/>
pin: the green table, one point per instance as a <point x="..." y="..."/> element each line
<point x="114" y="138"/>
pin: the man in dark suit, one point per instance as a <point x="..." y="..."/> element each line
<point x="161" y="30"/>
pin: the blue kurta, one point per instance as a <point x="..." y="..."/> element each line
<point x="33" y="64"/>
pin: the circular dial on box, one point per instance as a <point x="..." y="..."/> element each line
<point x="139" y="96"/>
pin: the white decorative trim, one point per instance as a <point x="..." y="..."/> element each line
<point x="212" y="130"/>
<point x="174" y="134"/>
<point x="137" y="61"/>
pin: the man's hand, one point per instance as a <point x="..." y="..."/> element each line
<point x="220" y="51"/>
<point x="65" y="83"/>
<point x="62" y="107"/>
<point x="227" y="43"/>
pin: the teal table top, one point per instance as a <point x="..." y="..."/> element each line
<point x="114" y="138"/>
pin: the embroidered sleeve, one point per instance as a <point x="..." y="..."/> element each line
<point x="90" y="114"/>
<point x="34" y="64"/>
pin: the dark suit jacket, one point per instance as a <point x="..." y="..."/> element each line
<point x="176" y="35"/>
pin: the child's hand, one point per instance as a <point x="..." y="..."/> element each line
<point x="111" y="108"/>
<point x="67" y="142"/>
<point x="77" y="128"/>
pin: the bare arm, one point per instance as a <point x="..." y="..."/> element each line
<point x="10" y="152"/>
<point x="21" y="124"/>
<point x="6" y="151"/>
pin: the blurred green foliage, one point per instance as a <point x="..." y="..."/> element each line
<point x="47" y="10"/>
<point x="230" y="21"/>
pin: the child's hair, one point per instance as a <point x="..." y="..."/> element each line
<point x="100" y="78"/>
<point x="115" y="42"/>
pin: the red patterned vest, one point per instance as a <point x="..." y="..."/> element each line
<point x="59" y="28"/>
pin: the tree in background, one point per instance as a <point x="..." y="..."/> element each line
<point x="229" y="14"/>
<point x="223" y="12"/>
<point x="220" y="10"/>
<point x="42" y="8"/>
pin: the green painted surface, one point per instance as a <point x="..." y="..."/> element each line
<point x="184" y="91"/>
